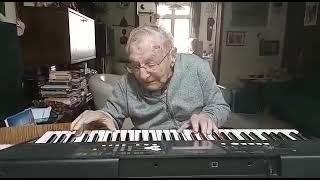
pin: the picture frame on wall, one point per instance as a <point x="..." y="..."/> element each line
<point x="236" y="38"/>
<point x="311" y="12"/>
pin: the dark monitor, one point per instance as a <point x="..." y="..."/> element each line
<point x="11" y="92"/>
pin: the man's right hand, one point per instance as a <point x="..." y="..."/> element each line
<point x="91" y="120"/>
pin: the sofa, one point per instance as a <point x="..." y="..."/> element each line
<point x="297" y="102"/>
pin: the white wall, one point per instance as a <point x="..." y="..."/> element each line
<point x="10" y="12"/>
<point x="239" y="61"/>
<point x="112" y="17"/>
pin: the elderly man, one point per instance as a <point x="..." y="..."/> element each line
<point x="162" y="90"/>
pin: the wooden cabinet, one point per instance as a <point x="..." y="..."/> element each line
<point x="56" y="36"/>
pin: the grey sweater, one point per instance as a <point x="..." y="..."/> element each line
<point x="192" y="89"/>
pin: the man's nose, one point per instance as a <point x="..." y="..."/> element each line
<point x="144" y="74"/>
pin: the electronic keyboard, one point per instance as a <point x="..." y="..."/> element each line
<point x="165" y="153"/>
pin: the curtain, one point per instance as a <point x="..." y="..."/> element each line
<point x="195" y="19"/>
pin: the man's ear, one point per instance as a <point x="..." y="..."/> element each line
<point x="174" y="53"/>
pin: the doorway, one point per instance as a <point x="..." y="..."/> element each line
<point x="211" y="34"/>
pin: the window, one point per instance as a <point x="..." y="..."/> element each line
<point x="175" y="18"/>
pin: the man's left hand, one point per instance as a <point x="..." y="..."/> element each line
<point x="200" y="122"/>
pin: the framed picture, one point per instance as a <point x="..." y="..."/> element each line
<point x="236" y="38"/>
<point x="311" y="12"/>
<point x="269" y="48"/>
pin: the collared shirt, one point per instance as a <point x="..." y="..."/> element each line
<point x="192" y="89"/>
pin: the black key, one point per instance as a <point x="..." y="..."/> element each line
<point x="254" y="136"/>
<point x="275" y="137"/>
<point x="61" y="138"/>
<point x="245" y="136"/>
<point x="203" y="136"/>
<point x="150" y="137"/>
<point x="95" y="138"/>
<point x="193" y="136"/>
<point x="140" y="136"/>
<point x="85" y="138"/>
<point x="118" y="137"/>
<point x="232" y="136"/>
<point x="109" y="137"/>
<point x="181" y="136"/>
<point x="52" y="138"/>
<point x="284" y="137"/>
<point x="294" y="135"/>
<point x="163" y="137"/>
<point x="127" y="137"/>
<point x="173" y="137"/>
<point x="267" y="136"/>
<point x="224" y="136"/>
<point x="72" y="138"/>
<point x="302" y="137"/>
<point x="216" y="136"/>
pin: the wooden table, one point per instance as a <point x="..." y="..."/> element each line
<point x="21" y="134"/>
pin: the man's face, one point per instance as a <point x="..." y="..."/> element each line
<point x="143" y="53"/>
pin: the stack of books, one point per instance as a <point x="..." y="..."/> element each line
<point x="65" y="89"/>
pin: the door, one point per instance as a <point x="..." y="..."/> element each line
<point x="218" y="41"/>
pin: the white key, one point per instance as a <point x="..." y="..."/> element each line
<point x="159" y="134"/>
<point x="106" y="135"/>
<point x="210" y="137"/>
<point x="187" y="133"/>
<point x="184" y="138"/>
<point x="175" y="134"/>
<point x="137" y="135"/>
<point x="287" y="132"/>
<point x="225" y="131"/>
<point x="79" y="138"/>
<point x="115" y="135"/>
<point x="68" y="136"/>
<point x="123" y="135"/>
<point x="131" y="135"/>
<point x="91" y="135"/>
<point x="61" y="133"/>
<point x="247" y="131"/>
<point x="45" y="137"/>
<point x="259" y="132"/>
<point x="237" y="134"/>
<point x="198" y="137"/>
<point x="101" y="135"/>
<point x="167" y="134"/>
<point x="145" y="135"/>
<point x="153" y="135"/>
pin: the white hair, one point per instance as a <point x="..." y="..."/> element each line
<point x="165" y="38"/>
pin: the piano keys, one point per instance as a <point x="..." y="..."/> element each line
<point x="171" y="135"/>
<point x="164" y="153"/>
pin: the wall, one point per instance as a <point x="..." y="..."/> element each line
<point x="239" y="61"/>
<point x="301" y="51"/>
<point x="10" y="12"/>
<point x="203" y="24"/>
<point x="113" y="17"/>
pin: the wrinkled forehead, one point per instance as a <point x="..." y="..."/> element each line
<point x="145" y="49"/>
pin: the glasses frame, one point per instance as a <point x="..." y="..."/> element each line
<point x="148" y="69"/>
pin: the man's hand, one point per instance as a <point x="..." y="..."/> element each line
<point x="200" y="122"/>
<point x="91" y="120"/>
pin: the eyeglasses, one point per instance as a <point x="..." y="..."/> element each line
<point x="149" y="67"/>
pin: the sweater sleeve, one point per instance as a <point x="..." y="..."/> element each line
<point x="214" y="103"/>
<point x="117" y="105"/>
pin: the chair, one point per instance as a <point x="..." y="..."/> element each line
<point x="101" y="86"/>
